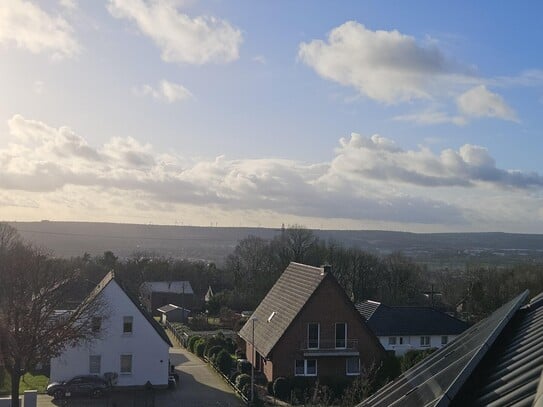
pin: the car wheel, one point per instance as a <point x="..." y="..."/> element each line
<point x="58" y="394"/>
<point x="97" y="393"/>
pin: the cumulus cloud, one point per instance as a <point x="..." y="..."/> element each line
<point x="392" y="67"/>
<point x="27" y="26"/>
<point x="166" y="91"/>
<point x="480" y="102"/>
<point x="386" y="66"/>
<point x="181" y="38"/>
<point x="378" y="158"/>
<point x="369" y="178"/>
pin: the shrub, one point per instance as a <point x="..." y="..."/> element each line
<point x="242" y="380"/>
<point x="223" y="361"/>
<point x="230" y="345"/>
<point x="246" y="390"/>
<point x="213" y="351"/>
<point x="192" y="340"/>
<point x="215" y="340"/>
<point x="244" y="366"/>
<point x="269" y="387"/>
<point x="199" y="347"/>
<point x="234" y="376"/>
<point x="240" y="354"/>
<point x="281" y="388"/>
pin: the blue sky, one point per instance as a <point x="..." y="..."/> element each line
<point x="385" y="115"/>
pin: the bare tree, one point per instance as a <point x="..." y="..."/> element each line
<point x="33" y="287"/>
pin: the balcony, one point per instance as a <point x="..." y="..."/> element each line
<point x="329" y="348"/>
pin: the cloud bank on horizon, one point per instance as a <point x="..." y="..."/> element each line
<point x="364" y="179"/>
<point x="367" y="178"/>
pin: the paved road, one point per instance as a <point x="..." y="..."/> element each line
<point x="199" y="386"/>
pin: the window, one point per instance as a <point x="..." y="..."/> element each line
<point x="95" y="364"/>
<point x="353" y="366"/>
<point x="401" y="340"/>
<point x="127" y="324"/>
<point x="424" y="341"/>
<point x="341" y="335"/>
<point x="305" y="367"/>
<point x="392" y="340"/>
<point x="313" y="336"/>
<point x="444" y="340"/>
<point x="126" y="364"/>
<point x="96" y="324"/>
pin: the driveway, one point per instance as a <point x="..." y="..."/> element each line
<point x="199" y="386"/>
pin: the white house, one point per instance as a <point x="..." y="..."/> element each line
<point x="401" y="329"/>
<point x="132" y="345"/>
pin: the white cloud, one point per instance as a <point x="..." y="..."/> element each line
<point x="181" y="38"/>
<point x="429" y="117"/>
<point x="386" y="66"/>
<point x="27" y="26"/>
<point x="68" y="4"/>
<point x="166" y="91"/>
<point x="480" y="102"/>
<point x="368" y="179"/>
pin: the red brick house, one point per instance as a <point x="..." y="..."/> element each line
<point x="307" y="326"/>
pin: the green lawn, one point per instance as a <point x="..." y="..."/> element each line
<point x="28" y="382"/>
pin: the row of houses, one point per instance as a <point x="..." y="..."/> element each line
<point x="307" y="326"/>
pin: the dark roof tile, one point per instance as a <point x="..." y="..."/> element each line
<point x="281" y="305"/>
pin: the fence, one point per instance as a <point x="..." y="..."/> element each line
<point x="181" y="336"/>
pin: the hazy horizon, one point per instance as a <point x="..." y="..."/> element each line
<point x="336" y="116"/>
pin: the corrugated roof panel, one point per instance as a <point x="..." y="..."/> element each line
<point x="438" y="378"/>
<point x="510" y="373"/>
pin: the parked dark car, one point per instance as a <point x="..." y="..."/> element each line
<point x="93" y="386"/>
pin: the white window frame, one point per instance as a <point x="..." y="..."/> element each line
<point x="347" y="366"/>
<point x="99" y="357"/>
<point x="424" y="341"/>
<point x="121" y="364"/>
<point x="392" y="340"/>
<point x="318" y="335"/>
<point x="305" y="367"/>
<point x="125" y="320"/>
<point x="444" y="339"/>
<point x="335" y="335"/>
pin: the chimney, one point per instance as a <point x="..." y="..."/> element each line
<point x="326" y="268"/>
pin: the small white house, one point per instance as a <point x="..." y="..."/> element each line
<point x="401" y="329"/>
<point x="133" y="345"/>
<point x="173" y="313"/>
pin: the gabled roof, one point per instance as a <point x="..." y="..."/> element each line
<point x="111" y="277"/>
<point x="387" y="320"/>
<point x="175" y="287"/>
<point x="441" y="377"/>
<point x="209" y="294"/>
<point x="281" y="305"/>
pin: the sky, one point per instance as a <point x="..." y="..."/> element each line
<point x="422" y="116"/>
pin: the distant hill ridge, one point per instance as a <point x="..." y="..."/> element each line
<point x="214" y="243"/>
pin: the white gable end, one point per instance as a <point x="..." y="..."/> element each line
<point x="142" y="352"/>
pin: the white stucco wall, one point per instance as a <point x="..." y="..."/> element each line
<point x="149" y="351"/>
<point x="413" y="343"/>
